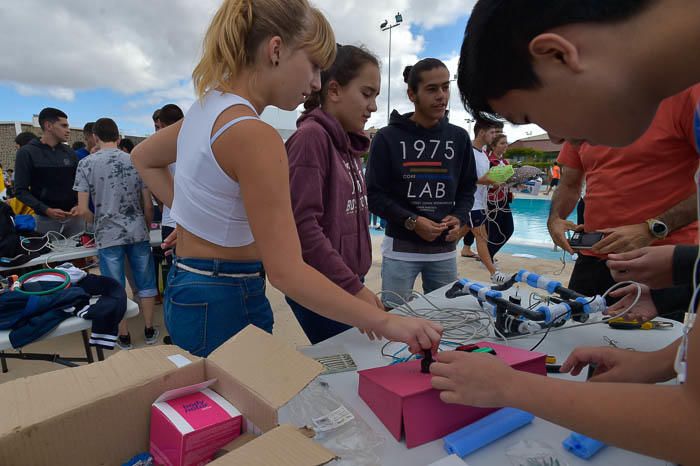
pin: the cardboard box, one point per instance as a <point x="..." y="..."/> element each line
<point x="189" y="425"/>
<point x="98" y="414"/>
<point x="403" y="399"/>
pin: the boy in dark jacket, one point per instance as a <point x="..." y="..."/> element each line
<point x="421" y="178"/>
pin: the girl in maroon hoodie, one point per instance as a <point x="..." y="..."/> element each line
<point x="327" y="184"/>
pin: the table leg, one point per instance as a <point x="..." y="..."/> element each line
<point x="3" y="362"/>
<point x="100" y="353"/>
<point x="88" y="350"/>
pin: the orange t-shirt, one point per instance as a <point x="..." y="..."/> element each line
<point x="556" y="173"/>
<point x="627" y="186"/>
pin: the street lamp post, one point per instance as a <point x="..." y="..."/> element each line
<point x="386" y="27"/>
<point x="449" y="102"/>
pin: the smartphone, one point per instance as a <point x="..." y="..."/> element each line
<point x="581" y="240"/>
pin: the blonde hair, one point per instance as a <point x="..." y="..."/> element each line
<point x="240" y="26"/>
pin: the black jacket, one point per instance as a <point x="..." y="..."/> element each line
<point x="29" y="318"/>
<point x="427" y="172"/>
<point x="44" y="176"/>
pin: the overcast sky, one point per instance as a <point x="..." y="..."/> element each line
<point x="125" y="58"/>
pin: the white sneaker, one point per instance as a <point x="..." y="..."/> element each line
<point x="499" y="278"/>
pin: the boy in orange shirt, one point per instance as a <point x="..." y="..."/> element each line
<point x="634" y="195"/>
<point x="586" y="70"/>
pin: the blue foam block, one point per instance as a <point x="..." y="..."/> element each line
<point x="582" y="446"/>
<point x="486" y="430"/>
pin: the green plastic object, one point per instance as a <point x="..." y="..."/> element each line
<point x="501" y="173"/>
<point x="26" y="276"/>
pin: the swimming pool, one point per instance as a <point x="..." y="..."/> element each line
<point x="530" y="219"/>
<point x="531" y="235"/>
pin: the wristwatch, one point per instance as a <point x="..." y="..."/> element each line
<point x="410" y="223"/>
<point x="657" y="228"/>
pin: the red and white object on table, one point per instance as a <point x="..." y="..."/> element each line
<point x="189" y="425"/>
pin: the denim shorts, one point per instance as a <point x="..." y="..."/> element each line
<point x="202" y="312"/>
<point x="140" y="260"/>
<point x="399" y="277"/>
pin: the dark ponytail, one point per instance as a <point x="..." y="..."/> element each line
<point x="412" y="74"/>
<point x="407" y="73"/>
<point x="349" y="60"/>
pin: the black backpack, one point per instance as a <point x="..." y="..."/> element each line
<point x="9" y="239"/>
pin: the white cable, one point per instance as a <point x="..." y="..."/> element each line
<point x="680" y="364"/>
<point x="602" y="321"/>
<point x="459" y="325"/>
<point x="52" y="237"/>
<point x="455" y="321"/>
<point x="55" y="241"/>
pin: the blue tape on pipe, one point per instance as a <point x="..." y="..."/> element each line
<point x="485" y="431"/>
<point x="547" y="314"/>
<point x="586" y="304"/>
<point x="552" y="286"/>
<point x="533" y="280"/>
<point x="582" y="446"/>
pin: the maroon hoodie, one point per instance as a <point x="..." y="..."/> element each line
<point x="329" y="198"/>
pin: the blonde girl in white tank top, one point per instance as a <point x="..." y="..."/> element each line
<point x="256" y="53"/>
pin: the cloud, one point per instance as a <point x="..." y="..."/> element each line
<point x="60" y="93"/>
<point x="134" y="46"/>
<point x="146" y="50"/>
<point x="128" y="46"/>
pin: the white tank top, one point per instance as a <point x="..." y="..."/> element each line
<point x="207" y="201"/>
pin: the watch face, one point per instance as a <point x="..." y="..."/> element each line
<point x="659" y="228"/>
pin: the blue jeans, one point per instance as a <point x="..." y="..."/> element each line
<point x="316" y="327"/>
<point x="140" y="260"/>
<point x="202" y="312"/>
<point x="400" y="277"/>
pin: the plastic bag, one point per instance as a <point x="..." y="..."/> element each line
<point x="532" y="453"/>
<point x="337" y="428"/>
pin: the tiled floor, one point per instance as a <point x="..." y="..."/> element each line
<point x="286" y="325"/>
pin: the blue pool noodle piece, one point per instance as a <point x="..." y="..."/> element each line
<point x="486" y="430"/>
<point x="582" y="446"/>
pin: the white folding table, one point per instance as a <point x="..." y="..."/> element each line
<point x="70" y="253"/>
<point x="560" y="343"/>
<point x="70" y="325"/>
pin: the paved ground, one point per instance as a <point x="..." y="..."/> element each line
<point x="286" y="325"/>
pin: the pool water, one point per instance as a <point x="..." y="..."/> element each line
<point x="531" y="235"/>
<point x="530" y="219"/>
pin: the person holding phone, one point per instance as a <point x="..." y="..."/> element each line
<point x="634" y="197"/>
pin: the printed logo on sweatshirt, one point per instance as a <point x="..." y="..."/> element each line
<point x="426" y="169"/>
<point x="358" y="191"/>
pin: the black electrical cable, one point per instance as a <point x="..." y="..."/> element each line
<point x="549" y="327"/>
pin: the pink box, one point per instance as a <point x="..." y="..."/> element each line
<point x="403" y="399"/>
<point x="189" y="425"/>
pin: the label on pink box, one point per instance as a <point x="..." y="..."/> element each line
<point x="190" y="424"/>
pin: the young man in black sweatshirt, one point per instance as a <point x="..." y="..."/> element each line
<point x="44" y="174"/>
<point x="421" y="178"/>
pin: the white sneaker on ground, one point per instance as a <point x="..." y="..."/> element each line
<point x="499" y="278"/>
